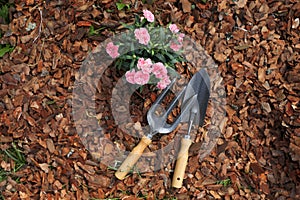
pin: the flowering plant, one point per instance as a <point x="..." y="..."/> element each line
<point x="151" y="51"/>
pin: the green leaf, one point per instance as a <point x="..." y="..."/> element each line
<point x="225" y="182"/>
<point x="120" y="63"/>
<point x="170" y="56"/>
<point x="4" y="50"/>
<point x="92" y="30"/>
<point x="126" y="25"/>
<point x="121" y="6"/>
<point x="109" y="10"/>
<point x="162" y="34"/>
<point x="128" y="57"/>
<point x="160" y="57"/>
<point x="132" y="64"/>
<point x="50" y="102"/>
<point x="173" y="61"/>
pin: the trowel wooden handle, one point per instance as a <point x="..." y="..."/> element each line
<point x="132" y="158"/>
<point x="181" y="163"/>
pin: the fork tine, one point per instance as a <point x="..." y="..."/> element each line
<point x="173" y="103"/>
<point x="186" y="108"/>
<point x="170" y="127"/>
<point x="161" y="97"/>
<point x="164" y="116"/>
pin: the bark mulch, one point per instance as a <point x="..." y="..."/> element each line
<point x="256" y="46"/>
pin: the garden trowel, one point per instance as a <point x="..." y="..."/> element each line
<point x="194" y="104"/>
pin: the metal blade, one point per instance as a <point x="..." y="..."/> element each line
<point x="199" y="85"/>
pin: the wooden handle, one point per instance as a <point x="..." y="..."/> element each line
<point x="132" y="158"/>
<point x="181" y="163"/>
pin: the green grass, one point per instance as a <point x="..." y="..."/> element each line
<point x="5" y="49"/>
<point x="120" y="5"/>
<point x="112" y="168"/>
<point x="93" y="31"/>
<point x="225" y="182"/>
<point x="4" y="16"/>
<point x="4" y="13"/>
<point x="15" y="155"/>
<point x="3" y="175"/>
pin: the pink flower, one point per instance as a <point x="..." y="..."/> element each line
<point x="163" y="83"/>
<point x="145" y="65"/>
<point x="141" y="78"/>
<point x="173" y="28"/>
<point x="175" y="46"/>
<point x="148" y="15"/>
<point x="130" y="76"/>
<point x="142" y="35"/>
<point x="180" y="37"/>
<point x="159" y="70"/>
<point x="112" y="50"/>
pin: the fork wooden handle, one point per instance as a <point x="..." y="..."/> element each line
<point x="181" y="163"/>
<point x="132" y="158"/>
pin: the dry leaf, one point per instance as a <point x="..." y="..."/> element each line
<point x="84" y="24"/>
<point x="6" y="166"/>
<point x="23" y="195"/>
<point x="44" y="167"/>
<point x="29" y="2"/>
<point x="50" y="145"/>
<point x="241" y="3"/>
<point x="262" y="74"/>
<point x="266" y="106"/>
<point x="222" y="6"/>
<point x="186" y="5"/>
<point x="220" y="57"/>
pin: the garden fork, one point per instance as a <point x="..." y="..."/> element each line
<point x="158" y="124"/>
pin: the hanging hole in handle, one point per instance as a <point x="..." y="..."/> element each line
<point x="178" y="179"/>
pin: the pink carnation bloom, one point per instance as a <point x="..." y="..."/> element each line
<point x="148" y="15"/>
<point x="141" y="78"/>
<point x="112" y="50"/>
<point x="173" y="28"/>
<point x="159" y="70"/>
<point x="175" y="46"/>
<point x="142" y="35"/>
<point x="145" y="65"/>
<point x="130" y="76"/>
<point x="180" y="37"/>
<point x="163" y="83"/>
